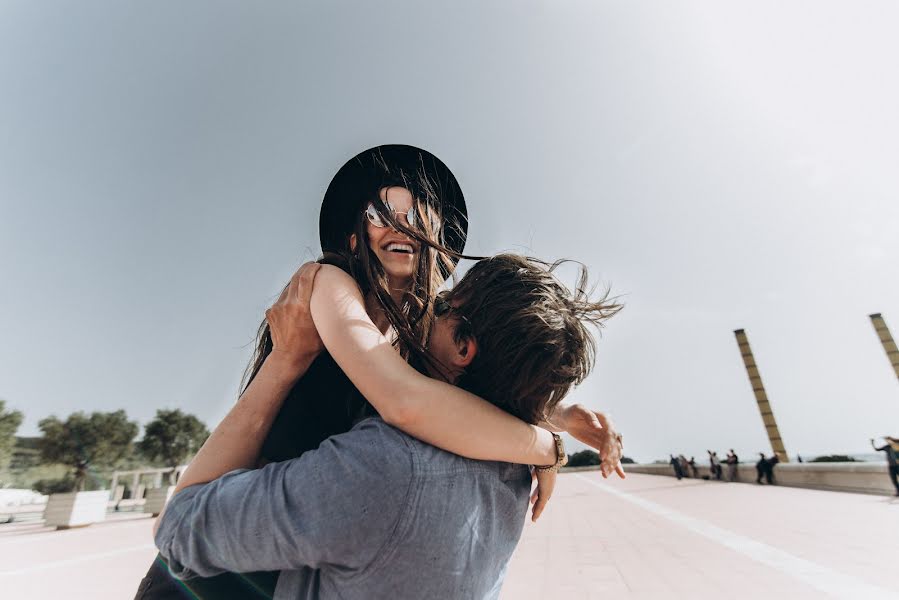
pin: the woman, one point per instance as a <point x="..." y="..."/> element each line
<point x="393" y="218"/>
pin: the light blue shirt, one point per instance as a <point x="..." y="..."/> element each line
<point x="372" y="513"/>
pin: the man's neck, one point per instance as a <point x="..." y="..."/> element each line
<point x="436" y="370"/>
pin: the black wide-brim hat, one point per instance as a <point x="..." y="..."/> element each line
<point x="359" y="180"/>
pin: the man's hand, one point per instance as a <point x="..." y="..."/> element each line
<point x="546" y="483"/>
<point x="295" y="339"/>
<point x="597" y="431"/>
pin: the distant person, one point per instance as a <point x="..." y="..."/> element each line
<point x="684" y="465"/>
<point x="692" y="463"/>
<point x="769" y="468"/>
<point x="675" y="464"/>
<point x="760" y="467"/>
<point x="799" y="456"/>
<point x="714" y="465"/>
<point x="892" y="449"/>
<point x="732" y="462"/>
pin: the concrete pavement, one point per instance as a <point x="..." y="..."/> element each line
<point x="644" y="537"/>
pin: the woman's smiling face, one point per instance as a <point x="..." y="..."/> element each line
<point x="397" y="252"/>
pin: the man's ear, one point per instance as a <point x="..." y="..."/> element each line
<point x="466" y="349"/>
<point x="353" y="242"/>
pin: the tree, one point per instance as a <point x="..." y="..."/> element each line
<point x="172" y="437"/>
<point x="584" y="458"/>
<point x="9" y="424"/>
<point x="831" y="458"/>
<point x="83" y="442"/>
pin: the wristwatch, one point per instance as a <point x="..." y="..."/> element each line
<point x="561" y="457"/>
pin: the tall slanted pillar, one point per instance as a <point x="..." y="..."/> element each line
<point x="886" y="339"/>
<point x="755" y="380"/>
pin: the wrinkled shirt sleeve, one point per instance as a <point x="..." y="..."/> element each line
<point x="338" y="505"/>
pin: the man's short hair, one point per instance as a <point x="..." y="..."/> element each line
<point x="531" y="331"/>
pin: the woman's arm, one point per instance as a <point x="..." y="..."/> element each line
<point x="592" y="428"/>
<point x="433" y="411"/>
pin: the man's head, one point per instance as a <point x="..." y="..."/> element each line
<point x="513" y="334"/>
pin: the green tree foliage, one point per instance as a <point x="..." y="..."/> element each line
<point x="586" y="458"/>
<point x="172" y="437"/>
<point x="583" y="458"/>
<point x="82" y="442"/>
<point x="9" y="424"/>
<point x="59" y="485"/>
<point x="830" y="458"/>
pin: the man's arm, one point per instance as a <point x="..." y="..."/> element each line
<point x="592" y="428"/>
<point x="336" y="505"/>
<point x="237" y="441"/>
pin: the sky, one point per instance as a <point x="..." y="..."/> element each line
<point x="717" y="165"/>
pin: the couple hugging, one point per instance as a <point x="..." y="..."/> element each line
<point x="380" y="447"/>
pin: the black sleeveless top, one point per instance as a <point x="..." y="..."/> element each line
<point x="322" y="403"/>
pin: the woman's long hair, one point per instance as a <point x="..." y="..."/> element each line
<point x="413" y="318"/>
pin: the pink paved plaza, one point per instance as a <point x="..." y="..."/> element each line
<point x="645" y="537"/>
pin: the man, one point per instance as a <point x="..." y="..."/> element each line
<point x="769" y="468"/>
<point x="760" y="467"/>
<point x="892" y="449"/>
<point x="733" y="463"/>
<point x="684" y="465"/>
<point x="675" y="464"/>
<point x="375" y="513"/>
<point x="714" y="465"/>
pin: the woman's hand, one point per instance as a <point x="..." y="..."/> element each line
<point x="597" y="431"/>
<point x="295" y="339"/>
<point x="546" y="483"/>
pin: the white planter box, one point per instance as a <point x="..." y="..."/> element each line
<point x="157" y="498"/>
<point x="76" y="509"/>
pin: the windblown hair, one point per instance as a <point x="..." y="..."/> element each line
<point x="413" y="318"/>
<point x="533" y="341"/>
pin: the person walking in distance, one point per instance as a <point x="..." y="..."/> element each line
<point x="714" y="465"/>
<point x="684" y="465"/>
<point x="891" y="447"/>
<point x="732" y="462"/>
<point x="675" y="464"/>
<point x="760" y="467"/>
<point x="769" y="468"/>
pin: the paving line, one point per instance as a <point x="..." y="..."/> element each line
<point x="74" y="561"/>
<point x="824" y="579"/>
<point x="15" y="538"/>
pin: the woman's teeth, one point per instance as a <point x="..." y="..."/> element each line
<point x="404" y="248"/>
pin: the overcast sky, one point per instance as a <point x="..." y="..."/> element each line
<point x="720" y="166"/>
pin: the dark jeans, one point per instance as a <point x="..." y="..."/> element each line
<point x="894" y="476"/>
<point x="159" y="584"/>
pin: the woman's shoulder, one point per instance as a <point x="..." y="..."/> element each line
<point x="336" y="260"/>
<point x="336" y="278"/>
